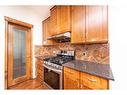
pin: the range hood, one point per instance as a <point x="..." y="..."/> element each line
<point x="64" y="37"/>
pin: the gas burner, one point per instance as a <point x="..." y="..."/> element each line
<point x="61" y="58"/>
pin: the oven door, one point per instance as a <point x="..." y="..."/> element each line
<point x="52" y="77"/>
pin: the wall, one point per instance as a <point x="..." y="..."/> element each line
<point x="94" y="52"/>
<point x="22" y="14"/>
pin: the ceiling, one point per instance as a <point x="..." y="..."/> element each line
<point x="43" y="10"/>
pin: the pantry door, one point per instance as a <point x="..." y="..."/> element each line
<point x="18" y="54"/>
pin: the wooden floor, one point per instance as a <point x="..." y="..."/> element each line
<point x="29" y="85"/>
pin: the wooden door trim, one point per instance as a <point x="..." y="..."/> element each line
<point x="17" y="22"/>
<point x="11" y="20"/>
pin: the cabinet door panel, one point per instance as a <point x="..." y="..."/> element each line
<point x="53" y="20"/>
<point x="64" y="19"/>
<point x="78" y="24"/>
<point x="47" y="32"/>
<point x="71" y="79"/>
<point x="39" y="70"/>
<point x="96" y="24"/>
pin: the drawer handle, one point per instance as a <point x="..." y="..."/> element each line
<point x="93" y="80"/>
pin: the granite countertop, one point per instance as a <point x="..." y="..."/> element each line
<point x="101" y="70"/>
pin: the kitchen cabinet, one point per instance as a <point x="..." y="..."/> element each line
<point x="96" y="24"/>
<point x="54" y="20"/>
<point x="60" y="19"/>
<point x="93" y="82"/>
<point x="71" y="79"/>
<point x="78" y="24"/>
<point x="46" y="32"/>
<point x="74" y="79"/>
<point x="89" y="24"/>
<point x="64" y="19"/>
<point x="39" y="70"/>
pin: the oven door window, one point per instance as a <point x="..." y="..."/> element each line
<point x="52" y="78"/>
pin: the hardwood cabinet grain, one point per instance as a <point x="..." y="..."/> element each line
<point x="79" y="80"/>
<point x="89" y="24"/>
<point x="54" y="20"/>
<point x="64" y="19"/>
<point x="93" y="82"/>
<point x="39" y="70"/>
<point x="78" y="24"/>
<point x="47" y="32"/>
<point x="60" y="19"/>
<point x="96" y="24"/>
<point x="71" y="79"/>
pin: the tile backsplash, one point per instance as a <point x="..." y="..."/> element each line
<point x="94" y="52"/>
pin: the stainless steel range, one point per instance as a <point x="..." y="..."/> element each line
<point x="53" y="68"/>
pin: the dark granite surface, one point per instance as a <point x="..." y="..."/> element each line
<point x="101" y="70"/>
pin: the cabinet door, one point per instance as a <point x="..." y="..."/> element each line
<point x="93" y="82"/>
<point x="39" y="70"/>
<point x="71" y="79"/>
<point x="96" y="24"/>
<point x="64" y="19"/>
<point x="78" y="24"/>
<point x="47" y="32"/>
<point x="54" y="20"/>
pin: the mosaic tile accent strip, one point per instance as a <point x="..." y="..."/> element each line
<point x="94" y="52"/>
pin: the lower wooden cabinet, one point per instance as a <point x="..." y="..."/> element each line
<point x="78" y="80"/>
<point x="71" y="79"/>
<point x="93" y="82"/>
<point x="39" y="70"/>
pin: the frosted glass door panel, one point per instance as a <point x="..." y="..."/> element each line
<point x="19" y="43"/>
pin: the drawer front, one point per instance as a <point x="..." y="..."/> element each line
<point x="71" y="72"/>
<point x="93" y="82"/>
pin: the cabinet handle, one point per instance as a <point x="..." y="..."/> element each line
<point x="93" y="80"/>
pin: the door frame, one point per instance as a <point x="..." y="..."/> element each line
<point x="17" y="22"/>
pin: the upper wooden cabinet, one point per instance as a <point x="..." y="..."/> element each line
<point x="60" y="19"/>
<point x="96" y="24"/>
<point x="64" y="19"/>
<point x="46" y="32"/>
<point x="89" y="24"/>
<point x="78" y="24"/>
<point x="54" y="20"/>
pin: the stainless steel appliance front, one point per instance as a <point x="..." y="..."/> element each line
<point x="52" y="77"/>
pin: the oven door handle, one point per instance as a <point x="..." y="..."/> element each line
<point x="59" y="71"/>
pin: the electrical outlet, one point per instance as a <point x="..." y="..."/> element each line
<point x="84" y="53"/>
